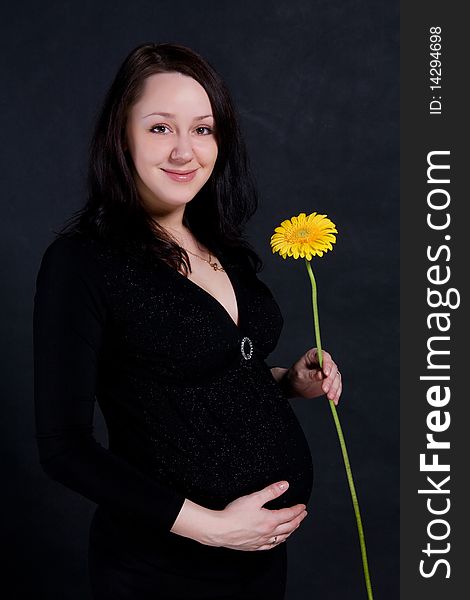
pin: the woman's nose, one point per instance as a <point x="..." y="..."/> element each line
<point x="182" y="149"/>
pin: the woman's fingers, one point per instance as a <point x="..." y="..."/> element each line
<point x="329" y="367"/>
<point x="312" y="357"/>
<point x="332" y="378"/>
<point x="329" y="374"/>
<point x="332" y="386"/>
<point x="271" y="546"/>
<point x="282" y="532"/>
<point x="288" y="528"/>
<point x="328" y="364"/>
<point x="286" y="515"/>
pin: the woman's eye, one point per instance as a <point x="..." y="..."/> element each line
<point x="158" y="128"/>
<point x="203" y="127"/>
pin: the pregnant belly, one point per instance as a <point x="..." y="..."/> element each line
<point x="234" y="437"/>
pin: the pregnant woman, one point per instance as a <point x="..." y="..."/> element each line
<point x="148" y="302"/>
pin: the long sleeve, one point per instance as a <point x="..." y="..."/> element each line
<point x="69" y="320"/>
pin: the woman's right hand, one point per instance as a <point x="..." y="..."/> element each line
<point x="246" y="525"/>
<point x="243" y="524"/>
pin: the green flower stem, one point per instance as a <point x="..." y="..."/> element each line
<point x="342" y="442"/>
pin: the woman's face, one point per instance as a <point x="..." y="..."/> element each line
<point x="171" y="132"/>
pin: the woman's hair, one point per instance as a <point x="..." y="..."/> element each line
<point x="216" y="215"/>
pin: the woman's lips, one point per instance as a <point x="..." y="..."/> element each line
<point x="181" y="176"/>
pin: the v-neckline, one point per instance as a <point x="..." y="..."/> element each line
<point x="213" y="298"/>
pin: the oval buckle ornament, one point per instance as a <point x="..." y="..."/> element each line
<point x="242" y="348"/>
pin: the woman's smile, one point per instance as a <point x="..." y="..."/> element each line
<point x="180" y="176"/>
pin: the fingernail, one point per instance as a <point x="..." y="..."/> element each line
<point x="282" y="486"/>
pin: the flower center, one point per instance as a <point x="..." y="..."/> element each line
<point x="305" y="235"/>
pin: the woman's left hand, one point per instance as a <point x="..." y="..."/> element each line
<point x="306" y="379"/>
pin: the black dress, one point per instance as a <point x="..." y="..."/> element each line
<point x="191" y="408"/>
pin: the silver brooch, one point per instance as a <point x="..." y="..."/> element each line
<point x="242" y="348"/>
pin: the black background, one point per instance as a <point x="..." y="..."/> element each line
<point x="317" y="89"/>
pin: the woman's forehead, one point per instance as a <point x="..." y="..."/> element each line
<point x="172" y="93"/>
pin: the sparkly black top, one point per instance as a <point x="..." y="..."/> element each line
<point x="191" y="407"/>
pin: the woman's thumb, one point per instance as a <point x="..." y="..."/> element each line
<point x="272" y="491"/>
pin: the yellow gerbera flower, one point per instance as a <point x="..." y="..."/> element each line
<point x="304" y="236"/>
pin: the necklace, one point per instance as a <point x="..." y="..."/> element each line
<point x="214" y="264"/>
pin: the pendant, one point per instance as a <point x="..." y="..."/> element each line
<point x="215" y="266"/>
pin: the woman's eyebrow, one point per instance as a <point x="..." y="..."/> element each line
<point x="171" y="116"/>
